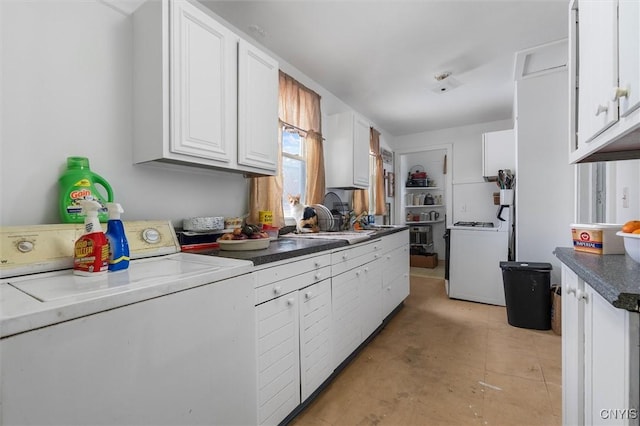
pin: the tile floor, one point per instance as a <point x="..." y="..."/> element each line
<point x="446" y="362"/>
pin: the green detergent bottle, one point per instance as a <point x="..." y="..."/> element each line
<point x="78" y="183"/>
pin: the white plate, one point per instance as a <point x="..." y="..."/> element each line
<point x="241" y="245"/>
<point x="325" y="218"/>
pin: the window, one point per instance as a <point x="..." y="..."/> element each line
<point x="294" y="167"/>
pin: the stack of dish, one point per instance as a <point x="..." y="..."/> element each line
<point x="325" y="218"/>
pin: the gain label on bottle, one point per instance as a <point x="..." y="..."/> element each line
<point x="79" y="183"/>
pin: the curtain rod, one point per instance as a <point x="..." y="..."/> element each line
<point x="285" y="124"/>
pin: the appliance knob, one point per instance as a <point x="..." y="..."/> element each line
<point x="25" y="246"/>
<point x="151" y="236"/>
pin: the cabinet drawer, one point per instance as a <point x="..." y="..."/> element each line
<point x="350" y="258"/>
<point x="276" y="289"/>
<point x="281" y="272"/>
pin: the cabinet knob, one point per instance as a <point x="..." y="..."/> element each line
<point x="571" y="290"/>
<point x="582" y="295"/>
<point x="358" y="273"/>
<point x="290" y="301"/>
<point x="317" y="264"/>
<point x="344" y="256"/>
<point x="601" y="109"/>
<point x="308" y="295"/>
<point x="317" y="277"/>
<point x="277" y="290"/>
<point x="620" y="92"/>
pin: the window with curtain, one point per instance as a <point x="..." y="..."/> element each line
<point x="294" y="166"/>
<point x="298" y="109"/>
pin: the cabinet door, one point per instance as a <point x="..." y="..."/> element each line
<point x="257" y="108"/>
<point x="629" y="53"/>
<point x="395" y="279"/>
<point x="278" y="358"/>
<point x="598" y="73"/>
<point x="572" y="350"/>
<point x="345" y="308"/>
<point x="611" y="362"/>
<point x="361" y="135"/>
<point x="315" y="336"/>
<point x="498" y="152"/>
<point x="203" y="70"/>
<point x="370" y="286"/>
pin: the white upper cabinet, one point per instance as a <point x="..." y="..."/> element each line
<point x="347" y="151"/>
<point x="498" y="152"/>
<point x="628" y="62"/>
<point x="605" y="75"/>
<point x="202" y="95"/>
<point x="202" y="84"/>
<point x="257" y="108"/>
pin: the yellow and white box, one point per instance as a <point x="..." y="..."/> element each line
<point x="598" y="238"/>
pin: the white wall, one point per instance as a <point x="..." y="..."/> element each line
<point x="66" y="88"/>
<point x="472" y="197"/>
<point x="626" y="184"/>
<point x="544" y="178"/>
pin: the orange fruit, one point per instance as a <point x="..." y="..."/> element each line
<point x="631" y="226"/>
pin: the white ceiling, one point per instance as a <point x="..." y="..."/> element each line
<point x="380" y="57"/>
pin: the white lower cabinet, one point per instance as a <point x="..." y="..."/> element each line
<point x="395" y="278"/>
<point x="183" y="358"/>
<point x="345" y="303"/>
<point x="313" y="313"/>
<point x="293" y="318"/>
<point x="600" y="349"/>
<point x="356" y="297"/>
<point x="315" y="336"/>
<point x="278" y="358"/>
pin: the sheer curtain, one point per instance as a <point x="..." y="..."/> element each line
<point x="300" y="107"/>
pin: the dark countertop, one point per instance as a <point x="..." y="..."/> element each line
<point x="287" y="248"/>
<point x="616" y="277"/>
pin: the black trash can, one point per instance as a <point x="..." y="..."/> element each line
<point x="527" y="293"/>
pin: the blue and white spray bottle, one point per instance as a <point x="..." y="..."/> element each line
<point x="118" y="245"/>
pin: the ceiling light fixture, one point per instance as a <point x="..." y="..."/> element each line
<point x="444" y="82"/>
<point x="441" y="76"/>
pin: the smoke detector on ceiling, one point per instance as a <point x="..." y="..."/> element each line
<point x="257" y="30"/>
<point x="444" y="82"/>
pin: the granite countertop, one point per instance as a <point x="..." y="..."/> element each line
<point x="616" y="277"/>
<point x="286" y="248"/>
